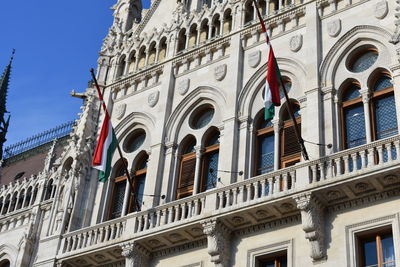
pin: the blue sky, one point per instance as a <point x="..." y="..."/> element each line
<point x="56" y="43"/>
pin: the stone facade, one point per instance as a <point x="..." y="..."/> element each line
<point x="187" y="58"/>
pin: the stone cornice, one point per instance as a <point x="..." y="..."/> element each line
<point x="295" y="219"/>
<point x="181" y="248"/>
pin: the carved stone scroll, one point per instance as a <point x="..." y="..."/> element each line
<point x="312" y="217"/>
<point x="135" y="255"/>
<point x="218" y="236"/>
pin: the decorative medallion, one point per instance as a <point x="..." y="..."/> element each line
<point x="361" y="187"/>
<point x="220" y="72"/>
<point x="154" y="242"/>
<point x="153" y="98"/>
<point x="261" y="213"/>
<point x="237" y="220"/>
<point x="183" y="86"/>
<point x="334" y="27"/>
<point x="390" y="179"/>
<point x="333" y="194"/>
<point x="296" y="42"/>
<point x="381" y="9"/>
<point x="287" y="207"/>
<point x="120" y="111"/>
<point x="254" y="58"/>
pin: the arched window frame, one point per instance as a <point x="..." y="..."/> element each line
<point x="139" y="182"/>
<point x="119" y="178"/>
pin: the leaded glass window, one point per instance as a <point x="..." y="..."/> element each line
<point x="364" y="60"/>
<point x="212" y="171"/>
<point x="266" y="155"/>
<point x="118" y="199"/>
<point x="385" y="117"/>
<point x="202" y="116"/>
<point x="135" y="140"/>
<point x="139" y="186"/>
<point x="351" y="93"/>
<point x="210" y="162"/>
<point x="383" y="83"/>
<point x="354" y="126"/>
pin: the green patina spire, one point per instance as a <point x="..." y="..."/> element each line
<point x="4" y="122"/>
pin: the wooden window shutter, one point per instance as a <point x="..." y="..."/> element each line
<point x="186" y="178"/>
<point x="291" y="145"/>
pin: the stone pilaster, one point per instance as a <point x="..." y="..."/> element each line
<point x="135" y="255"/>
<point x="312" y="217"/>
<point x="218" y="236"/>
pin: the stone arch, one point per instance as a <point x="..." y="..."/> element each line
<point x="357" y="34"/>
<point x="8" y="253"/>
<point x="251" y="92"/>
<point x="185" y="107"/>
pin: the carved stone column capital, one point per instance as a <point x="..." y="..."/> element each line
<point x="218" y="236"/>
<point x="312" y="217"/>
<point x="135" y="255"/>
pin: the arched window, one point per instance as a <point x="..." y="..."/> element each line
<point x="6" y="204"/>
<point x="121" y="67"/>
<point x="187" y="169"/>
<point x="181" y="41"/>
<point x="264" y="146"/>
<point x="13" y="203"/>
<point x="216" y="26"/>
<point x="1" y="204"/>
<point x="227" y="21"/>
<point x="21" y="199"/>
<point x="193" y="36"/>
<point x="132" y="62"/>
<point x="35" y="191"/>
<point x="162" y="54"/>
<point x="28" y="197"/>
<point x="273" y="6"/>
<point x="139" y="180"/>
<point x="152" y="53"/>
<point x="5" y="263"/>
<point x="353" y="120"/>
<point x="290" y="151"/>
<point x="49" y="189"/>
<point x="210" y="162"/>
<point x="204" y="31"/>
<point x="142" y="57"/>
<point x="263" y="6"/>
<point x="249" y="12"/>
<point x="384" y="119"/>
<point x="118" y="192"/>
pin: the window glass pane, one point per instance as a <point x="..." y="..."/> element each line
<point x="369" y="252"/>
<point x="385" y="117"/>
<point x="296" y="111"/>
<point x="351" y="93"/>
<point x="135" y="141"/>
<point x="213" y="140"/>
<point x="118" y="199"/>
<point x="266" y="156"/>
<point x="388" y="249"/>
<point x="268" y="264"/>
<point x="141" y="179"/>
<point x="265" y="124"/>
<point x="355" y="126"/>
<point x="189" y="148"/>
<point x="212" y="171"/>
<point x="383" y="83"/>
<point x="203" y="118"/>
<point x="364" y="61"/>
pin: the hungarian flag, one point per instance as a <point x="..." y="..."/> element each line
<point x="271" y="96"/>
<point x="105" y="149"/>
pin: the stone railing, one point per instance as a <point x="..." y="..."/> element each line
<point x="342" y="165"/>
<point x="89" y="237"/>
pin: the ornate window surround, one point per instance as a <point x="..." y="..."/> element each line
<point x="269" y="249"/>
<point x="353" y="229"/>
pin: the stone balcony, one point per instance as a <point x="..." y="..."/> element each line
<point x="351" y="177"/>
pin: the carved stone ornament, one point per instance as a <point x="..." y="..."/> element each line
<point x="381" y="9"/>
<point x="254" y="58"/>
<point x="334" y="27"/>
<point x="220" y="72"/>
<point x="296" y="42"/>
<point x="135" y="255"/>
<point x="312" y="218"/>
<point x="183" y="86"/>
<point x="153" y="98"/>
<point x="218" y="236"/>
<point x="120" y="111"/>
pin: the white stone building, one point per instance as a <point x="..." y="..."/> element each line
<point x="216" y="185"/>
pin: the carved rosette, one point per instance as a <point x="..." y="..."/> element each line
<point x="135" y="255"/>
<point x="312" y="217"/>
<point x="218" y="236"/>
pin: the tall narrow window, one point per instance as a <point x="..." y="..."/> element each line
<point x="353" y="120"/>
<point x="376" y="249"/>
<point x="186" y="170"/>
<point x="210" y="163"/>
<point x="249" y="12"/>
<point x="290" y="152"/>
<point x="139" y="181"/>
<point x="265" y="147"/>
<point x="227" y="21"/>
<point x="118" y="193"/>
<point x="383" y="108"/>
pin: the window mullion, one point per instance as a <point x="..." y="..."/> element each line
<point x="379" y="251"/>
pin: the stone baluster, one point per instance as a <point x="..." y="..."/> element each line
<point x="380" y="154"/>
<point x="354" y="159"/>
<point x="170" y="215"/>
<point x="159" y="216"/>
<point x="389" y="152"/>
<point x="363" y="159"/>
<point x="177" y="213"/>
<point x="346" y="164"/>
<point x="397" y="147"/>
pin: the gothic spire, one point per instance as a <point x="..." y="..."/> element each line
<point x="4" y="122"/>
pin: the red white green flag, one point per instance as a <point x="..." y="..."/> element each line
<point x="271" y="96"/>
<point x="105" y="149"/>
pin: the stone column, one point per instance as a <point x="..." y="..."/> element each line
<point x="277" y="128"/>
<point x="312" y="217"/>
<point x="244" y="148"/>
<point x="218" y="237"/>
<point x="135" y="255"/>
<point x="367" y="114"/>
<point x="197" y="173"/>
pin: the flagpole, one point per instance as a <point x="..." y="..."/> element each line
<point x="295" y="124"/>
<point x="118" y="146"/>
